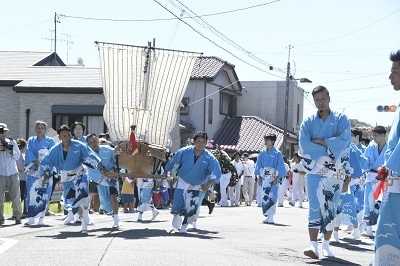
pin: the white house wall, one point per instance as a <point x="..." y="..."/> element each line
<point x="266" y="99"/>
<point x="259" y="98"/>
<point x="10" y="112"/>
<point x="40" y="105"/>
<point x="195" y="93"/>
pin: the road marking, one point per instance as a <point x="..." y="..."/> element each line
<point x="7" y="243"/>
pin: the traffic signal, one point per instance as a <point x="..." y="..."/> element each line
<point x="386" y="108"/>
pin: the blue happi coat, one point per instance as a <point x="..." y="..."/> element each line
<point x="206" y="167"/>
<point x="37" y="196"/>
<point x="78" y="154"/>
<point x="326" y="166"/>
<point x="106" y="154"/>
<point x="387" y="235"/>
<point x="269" y="165"/>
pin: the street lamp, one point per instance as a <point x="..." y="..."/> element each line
<point x="285" y="126"/>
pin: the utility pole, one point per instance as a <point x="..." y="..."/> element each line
<point x="56" y="20"/>
<point x="285" y="123"/>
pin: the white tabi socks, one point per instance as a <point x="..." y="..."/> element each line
<point x="116" y="221"/>
<point x="326" y="252"/>
<point x="312" y="251"/>
<point x="335" y="236"/>
<point x="31" y="221"/>
<point x="369" y="231"/>
<point x="70" y="218"/>
<point x="155" y="213"/>
<point x="85" y="220"/>
<point x="177" y="221"/>
<point x="356" y="233"/>
<point x="41" y="221"/>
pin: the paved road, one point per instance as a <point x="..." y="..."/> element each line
<point x="230" y="236"/>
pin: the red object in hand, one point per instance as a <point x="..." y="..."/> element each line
<point x="382" y="175"/>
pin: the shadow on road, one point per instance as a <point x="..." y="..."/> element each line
<point x="332" y="261"/>
<point x="355" y="245"/>
<point x="135" y="234"/>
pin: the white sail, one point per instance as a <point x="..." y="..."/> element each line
<point x="143" y="87"/>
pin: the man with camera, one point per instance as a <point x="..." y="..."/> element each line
<point x="9" y="154"/>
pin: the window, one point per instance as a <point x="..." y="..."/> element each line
<point x="210" y="111"/>
<point x="227" y="104"/>
<point x="90" y="115"/>
<point x="184" y="110"/>
<point x="298" y="113"/>
<point x="94" y="124"/>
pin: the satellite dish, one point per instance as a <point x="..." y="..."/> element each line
<point x="80" y="61"/>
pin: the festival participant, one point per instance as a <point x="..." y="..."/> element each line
<point x="387" y="239"/>
<point x="356" y="137"/>
<point x="106" y="154"/>
<point x="248" y="179"/>
<point x="196" y="170"/>
<point x="298" y="181"/>
<point x="234" y="192"/>
<point x="228" y="169"/>
<point x="347" y="213"/>
<point x="284" y="184"/>
<point x="68" y="157"/>
<point x="324" y="149"/>
<point x="37" y="197"/>
<point x="78" y="131"/>
<point x="145" y="189"/>
<point x="269" y="167"/>
<point x="375" y="154"/>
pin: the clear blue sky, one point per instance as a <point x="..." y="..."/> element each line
<point x="341" y="44"/>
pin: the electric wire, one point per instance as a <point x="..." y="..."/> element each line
<point x="166" y="19"/>
<point x="347" y="34"/>
<point x="219" y="46"/>
<point x="24" y="27"/>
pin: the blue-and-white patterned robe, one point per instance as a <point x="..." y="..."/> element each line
<point x="269" y="165"/>
<point x="106" y="154"/>
<point x="348" y="206"/>
<point x="387" y="235"/>
<point x="375" y="160"/>
<point x="37" y="197"/>
<point x="191" y="176"/>
<point x="326" y="166"/>
<point x="72" y="172"/>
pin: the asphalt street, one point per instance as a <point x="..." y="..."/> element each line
<point x="229" y="236"/>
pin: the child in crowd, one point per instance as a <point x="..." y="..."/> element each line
<point x="21" y="171"/>
<point x="127" y="195"/>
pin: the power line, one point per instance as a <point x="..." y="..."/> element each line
<point x="219" y="46"/>
<point x="334" y="72"/>
<point x="352" y="78"/>
<point x="166" y="19"/>
<point x="24" y="27"/>
<point x="347" y="34"/>
<point x="360" y="89"/>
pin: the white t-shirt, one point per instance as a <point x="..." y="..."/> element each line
<point x="300" y="168"/>
<point x="239" y="166"/>
<point x="248" y="168"/>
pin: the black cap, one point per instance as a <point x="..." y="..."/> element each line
<point x="245" y="154"/>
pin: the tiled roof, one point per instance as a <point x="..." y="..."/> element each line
<point x="246" y="133"/>
<point x="22" y="66"/>
<point x="207" y="67"/>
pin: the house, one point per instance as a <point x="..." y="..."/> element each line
<point x="38" y="86"/>
<point x="211" y="96"/>
<point x="267" y="100"/>
<point x="246" y="133"/>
